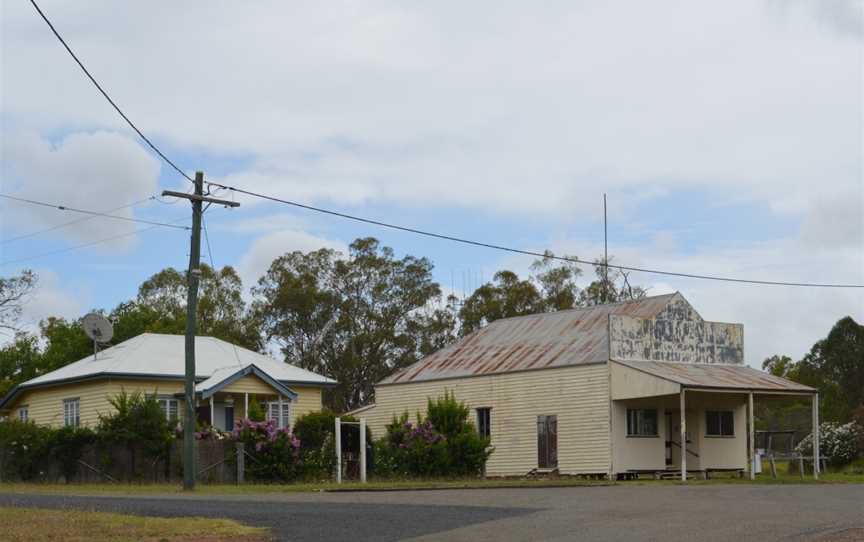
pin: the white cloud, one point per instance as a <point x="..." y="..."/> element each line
<point x="98" y="171"/>
<point x="52" y="298"/>
<point x="255" y="262"/>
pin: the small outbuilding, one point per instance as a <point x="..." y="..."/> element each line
<point x="643" y="386"/>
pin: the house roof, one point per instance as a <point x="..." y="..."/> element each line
<point x="154" y="355"/>
<point x="716" y="376"/>
<point x="537" y="341"/>
<point x="224" y="377"/>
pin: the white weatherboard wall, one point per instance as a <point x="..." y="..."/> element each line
<point x="578" y="395"/>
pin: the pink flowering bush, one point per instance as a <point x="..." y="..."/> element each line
<point x="442" y="444"/>
<point x="274" y="453"/>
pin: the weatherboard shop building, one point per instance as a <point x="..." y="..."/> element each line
<point x="227" y="378"/>
<point x="599" y="390"/>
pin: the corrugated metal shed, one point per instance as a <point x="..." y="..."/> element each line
<point x="717" y="376"/>
<point x="536" y="341"/>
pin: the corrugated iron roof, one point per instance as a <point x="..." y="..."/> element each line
<point x="537" y="341"/>
<point x="716" y="376"/>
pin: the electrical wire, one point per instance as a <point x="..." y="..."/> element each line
<point x="530" y="252"/>
<point x="72" y="222"/>
<point x="107" y="97"/>
<point x="85" y="245"/>
<point x="207" y="238"/>
<point x="92" y="213"/>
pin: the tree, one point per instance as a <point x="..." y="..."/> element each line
<point x="14" y="292"/>
<point x="355" y="318"/>
<point x="20" y="360"/>
<point x="609" y="288"/>
<point x="836" y="363"/>
<point x="557" y="282"/>
<point x="507" y="295"/>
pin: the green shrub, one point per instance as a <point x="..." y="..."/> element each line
<point x="275" y="452"/>
<point x="138" y="421"/>
<point x="256" y="412"/>
<point x="444" y="444"/>
<point x="67" y="445"/>
<point x="24" y="447"/>
<point x="838" y="444"/>
<point x="316" y="432"/>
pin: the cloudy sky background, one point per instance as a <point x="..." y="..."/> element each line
<point x="729" y="138"/>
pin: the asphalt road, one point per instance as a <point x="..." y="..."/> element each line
<point x="665" y="513"/>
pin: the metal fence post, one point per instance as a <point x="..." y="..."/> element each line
<point x="338" y="452"/>
<point x="363" y="450"/>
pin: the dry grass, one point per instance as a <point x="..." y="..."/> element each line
<point x="26" y="524"/>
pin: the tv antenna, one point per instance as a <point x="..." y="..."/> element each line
<point x="98" y="328"/>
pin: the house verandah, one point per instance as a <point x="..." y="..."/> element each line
<point x="716" y="432"/>
<point x="223" y="399"/>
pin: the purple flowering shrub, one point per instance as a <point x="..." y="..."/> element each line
<point x="443" y="444"/>
<point x="275" y="453"/>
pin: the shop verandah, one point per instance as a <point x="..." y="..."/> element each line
<point x="716" y="432"/>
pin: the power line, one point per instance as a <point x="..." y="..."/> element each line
<point x="72" y="222"/>
<point x="85" y="245"/>
<point x="529" y="252"/>
<point x="107" y="97"/>
<point x="92" y="213"/>
<point x="207" y="238"/>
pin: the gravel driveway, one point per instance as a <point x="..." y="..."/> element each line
<point x="621" y="512"/>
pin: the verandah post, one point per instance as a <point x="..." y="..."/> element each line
<point x="683" y="426"/>
<point x="751" y="444"/>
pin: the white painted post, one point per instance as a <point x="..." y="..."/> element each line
<point x="751" y="441"/>
<point x="363" y="450"/>
<point x="816" y="466"/>
<point x="683" y="439"/>
<point x="338" y="452"/>
<point x="246" y="405"/>
<point x="212" y="412"/>
<point x="280" y="419"/>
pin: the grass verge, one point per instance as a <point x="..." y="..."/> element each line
<point x="405" y="485"/>
<point x="26" y="524"/>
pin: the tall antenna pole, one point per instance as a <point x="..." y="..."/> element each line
<point x="197" y="198"/>
<point x="605" y="254"/>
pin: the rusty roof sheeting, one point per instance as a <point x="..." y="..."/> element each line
<point x="536" y="341"/>
<point x="700" y="375"/>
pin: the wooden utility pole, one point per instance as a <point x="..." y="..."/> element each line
<point x="197" y="198"/>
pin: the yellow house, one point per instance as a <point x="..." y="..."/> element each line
<point x="640" y="387"/>
<point x="227" y="378"/>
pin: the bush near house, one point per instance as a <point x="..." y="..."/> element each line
<point x="443" y="444"/>
<point x="316" y="431"/>
<point x="838" y="443"/>
<point x="274" y="452"/>
<point x="26" y="449"/>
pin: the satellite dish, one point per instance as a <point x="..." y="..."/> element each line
<point x="97" y="327"/>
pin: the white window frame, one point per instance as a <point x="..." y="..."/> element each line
<point x="23" y="413"/>
<point x="165" y="404"/>
<point x="273" y="408"/>
<point x="72" y="412"/>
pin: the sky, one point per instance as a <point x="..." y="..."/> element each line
<point x="728" y="136"/>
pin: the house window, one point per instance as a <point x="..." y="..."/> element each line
<point x="23" y="413"/>
<point x="484" y="422"/>
<point x="71" y="412"/>
<point x="273" y="413"/>
<point x="641" y="422"/>
<point x="170" y="407"/>
<point x="547" y="442"/>
<point x="719" y="423"/>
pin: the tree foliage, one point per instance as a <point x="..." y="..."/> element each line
<point x="14" y="292"/>
<point x="355" y="318"/>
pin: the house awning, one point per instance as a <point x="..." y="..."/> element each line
<point x="647" y="378"/>
<point x="226" y="376"/>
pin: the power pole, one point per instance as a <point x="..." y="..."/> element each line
<point x="197" y="198"/>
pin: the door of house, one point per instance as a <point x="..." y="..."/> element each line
<point x="229" y="418"/>
<point x="547" y="442"/>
